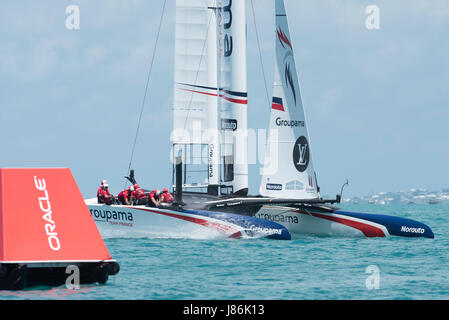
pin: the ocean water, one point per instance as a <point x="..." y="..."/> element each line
<point x="309" y="268"/>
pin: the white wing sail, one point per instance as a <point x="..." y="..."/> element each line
<point x="195" y="114"/>
<point x="288" y="170"/>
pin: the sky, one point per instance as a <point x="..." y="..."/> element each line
<point x="376" y="100"/>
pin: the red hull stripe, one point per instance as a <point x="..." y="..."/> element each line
<point x="366" y="229"/>
<point x="236" y="235"/>
<point x="220" y="227"/>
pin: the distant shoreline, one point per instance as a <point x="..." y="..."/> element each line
<point x="412" y="196"/>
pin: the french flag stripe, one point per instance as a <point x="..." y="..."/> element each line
<point x="277" y="104"/>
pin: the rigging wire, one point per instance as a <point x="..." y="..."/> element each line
<point x="147" y="85"/>
<point x="260" y="55"/>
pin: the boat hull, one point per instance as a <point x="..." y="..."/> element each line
<point x="342" y="223"/>
<point x="140" y="221"/>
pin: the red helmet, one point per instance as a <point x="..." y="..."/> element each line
<point x="165" y="190"/>
<point x="136" y="186"/>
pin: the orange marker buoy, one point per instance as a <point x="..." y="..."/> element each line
<point x="44" y="223"/>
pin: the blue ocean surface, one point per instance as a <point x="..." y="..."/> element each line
<point x="309" y="268"/>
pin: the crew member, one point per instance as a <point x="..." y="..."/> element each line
<point x="154" y="198"/>
<point x="166" y="196"/>
<point x="131" y="197"/>
<point x="105" y="196"/>
<point x="125" y="196"/>
<point x="100" y="189"/>
<point x="139" y="195"/>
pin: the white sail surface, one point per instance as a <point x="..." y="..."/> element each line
<point x="233" y="94"/>
<point x="288" y="139"/>
<point x="195" y="118"/>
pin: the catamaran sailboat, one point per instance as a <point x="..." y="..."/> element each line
<point x="210" y="142"/>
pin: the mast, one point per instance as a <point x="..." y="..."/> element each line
<point x="234" y="95"/>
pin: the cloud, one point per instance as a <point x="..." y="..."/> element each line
<point x="29" y="61"/>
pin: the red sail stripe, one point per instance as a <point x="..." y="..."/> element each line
<point x="239" y="101"/>
<point x="283" y="38"/>
<point x="278" y="106"/>
<point x="194" y="91"/>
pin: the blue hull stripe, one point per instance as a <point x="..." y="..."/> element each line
<point x="396" y="226"/>
<point x="247" y="222"/>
